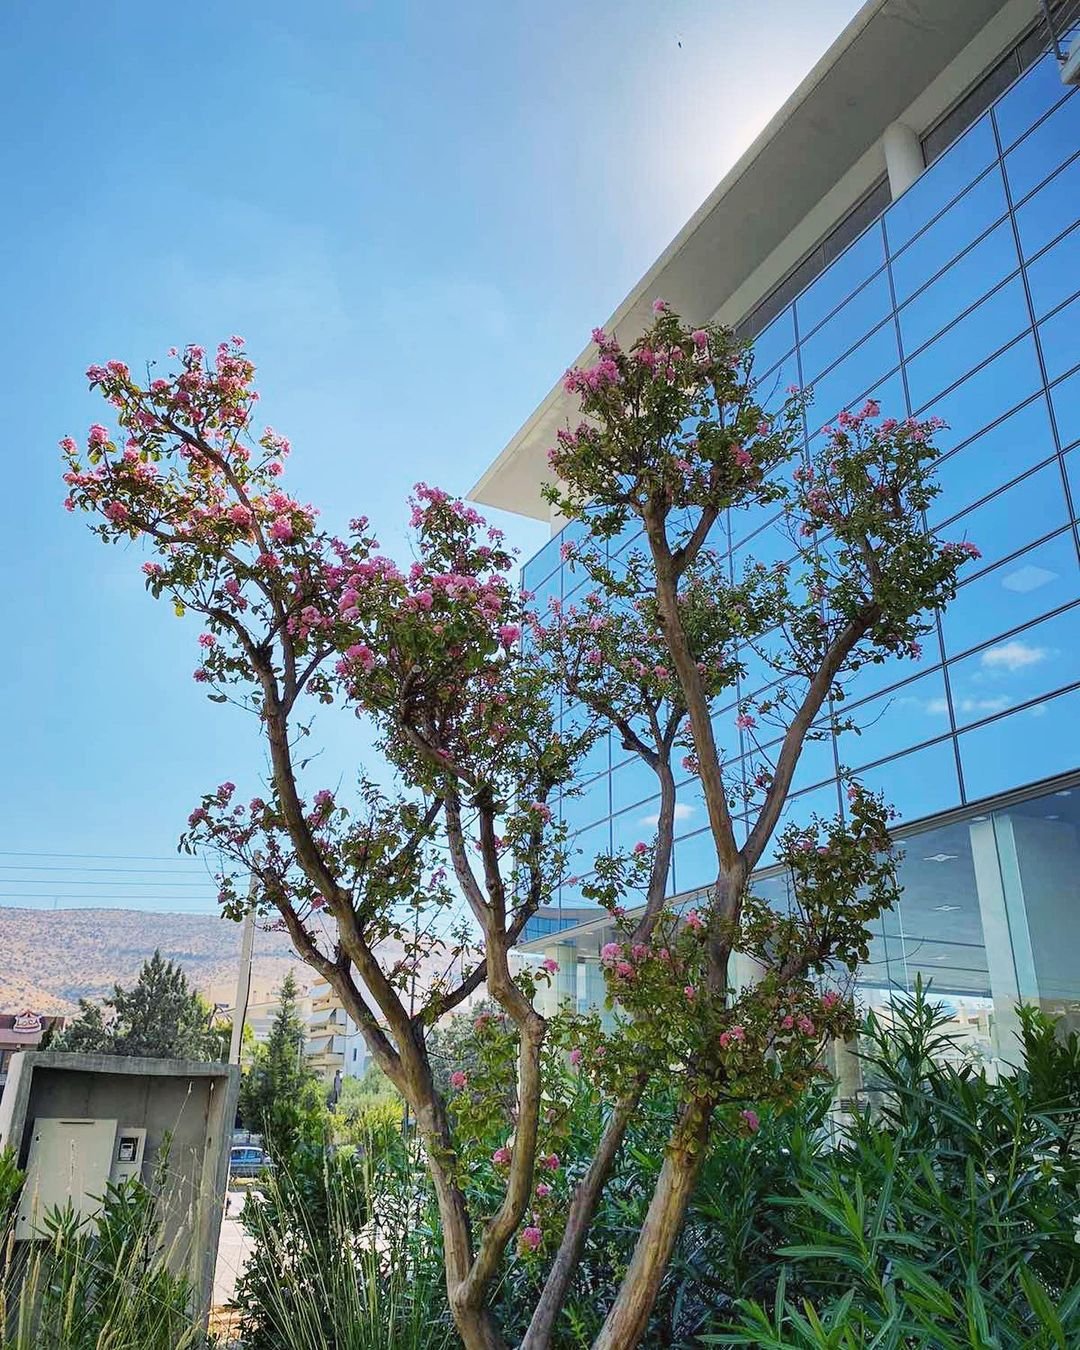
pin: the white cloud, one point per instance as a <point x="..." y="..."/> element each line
<point x="987" y="705"/>
<point x="682" y="812"/>
<point x="937" y="705"/>
<point x="1013" y="656"/>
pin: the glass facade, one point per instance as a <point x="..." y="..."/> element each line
<point x="961" y="300"/>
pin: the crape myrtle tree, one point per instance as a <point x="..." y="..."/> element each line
<point x="673" y="438"/>
<point x="432" y="655"/>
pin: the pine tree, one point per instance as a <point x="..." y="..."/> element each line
<point x="159" y="1017"/>
<point x="280" y="1095"/>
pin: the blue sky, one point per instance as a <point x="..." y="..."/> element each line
<point x="413" y="212"/>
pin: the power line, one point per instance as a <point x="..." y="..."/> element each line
<point x="105" y="857"/>
<point x="44" y="881"/>
<point x="130" y="871"/>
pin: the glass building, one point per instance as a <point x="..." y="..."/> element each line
<point x="933" y="265"/>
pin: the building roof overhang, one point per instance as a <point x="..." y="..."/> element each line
<point x="876" y="69"/>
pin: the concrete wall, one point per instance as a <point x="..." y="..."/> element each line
<point x="187" y="1109"/>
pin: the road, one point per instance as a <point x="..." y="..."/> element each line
<point x="234" y="1246"/>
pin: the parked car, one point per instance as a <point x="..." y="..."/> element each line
<point x="246" y="1160"/>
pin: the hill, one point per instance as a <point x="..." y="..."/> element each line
<point x="49" y="959"/>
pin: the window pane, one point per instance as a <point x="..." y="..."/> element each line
<point x="1039" y="154"/>
<point x="1003" y="383"/>
<point x="840" y="333"/>
<point x="1030" y="97"/>
<point x="875" y="676"/>
<point x="631" y="782"/>
<point x="1066" y="400"/>
<point x="847" y="381"/>
<point x="889" y="393"/>
<point x="695" y="861"/>
<point x="992" y="459"/>
<point x="772" y="390"/>
<point x="776" y="341"/>
<point x="1072" y="469"/>
<point x="636" y="826"/>
<point x="1038" y="661"/>
<point x="989" y="326"/>
<point x="1055" y="277"/>
<point x="592" y="805"/>
<point x="1013" y="594"/>
<point x="821" y="801"/>
<point x="1021" y="748"/>
<point x="541" y="566"/>
<point x="920" y="783"/>
<point x="585" y="846"/>
<point x="1030" y="509"/>
<point x="769" y="546"/>
<point x="960" y="165"/>
<point x="979" y="270"/>
<point x="935" y="248"/>
<point x="1052" y="209"/>
<point x="851" y="269"/>
<point x="914" y="713"/>
<point x="816" y="762"/>
<point x="1060" y="338"/>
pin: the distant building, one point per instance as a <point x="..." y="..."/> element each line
<point x="334" y="1044"/>
<point x="264" y="1002"/>
<point x="22" y="1031"/>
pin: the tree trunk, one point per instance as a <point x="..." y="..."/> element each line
<point x="629" y="1315"/>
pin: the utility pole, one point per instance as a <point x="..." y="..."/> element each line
<point x="243" y="979"/>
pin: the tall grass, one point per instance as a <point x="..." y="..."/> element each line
<point x="345" y="1255"/>
<point x="99" y="1285"/>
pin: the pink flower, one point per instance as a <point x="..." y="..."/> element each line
<point x="281" y="529"/>
<point x="830" y="1000"/>
<point x="361" y="654"/>
<point x="98" y="435"/>
<point x="743" y="458"/>
<point x="660" y="306"/>
<point x="700" y="339"/>
<point x="531" y="1238"/>
<point x="458" y="1079"/>
<point x="117" y="512"/>
<point x="751" y="1120"/>
<point x="551" y="1162"/>
<point x="690" y="993"/>
<point x="640" y="848"/>
<point x="207" y="640"/>
<point x="152" y="569"/>
<point x="509" y="634"/>
<point x="610" y="951"/>
<point x="575" y="1056"/>
<point x="744" y="722"/>
<point x="501" y="1156"/>
<point x="549" y="964"/>
<point x="693" y="920"/>
<point x="805" y="1025"/>
<point x="543" y="1191"/>
<point x="625" y="970"/>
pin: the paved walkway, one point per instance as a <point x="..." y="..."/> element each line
<point x="234" y="1246"/>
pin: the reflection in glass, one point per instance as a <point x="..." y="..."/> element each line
<point x="1043" y="217"/>
<point x="1034" y="94"/>
<point x="1066" y="400"/>
<point x="853" y="376"/>
<point x="1037" y="742"/>
<point x="916" y="712"/>
<point x="863" y="311"/>
<point x="968" y="343"/>
<point x="1011" y="595"/>
<point x="947" y="177"/>
<point x="774" y="341"/>
<point x="1009" y="521"/>
<point x="1017" y="442"/>
<point x="982" y="204"/>
<point x="980" y="269"/>
<point x="1055" y="277"/>
<point x="918" y="784"/>
<point x="1003" y="383"/>
<point x="1060" y="340"/>
<point x="631" y="782"/>
<point x="1036" y="662"/>
<point x="840" y="279"/>
<point x="823" y="802"/>
<point x="1039" y="154"/>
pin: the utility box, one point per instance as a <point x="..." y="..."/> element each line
<point x="79" y="1122"/>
